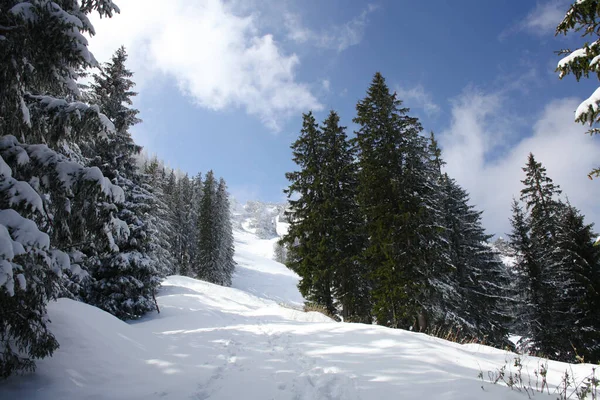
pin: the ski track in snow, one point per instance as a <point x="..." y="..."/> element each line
<point x="211" y="342"/>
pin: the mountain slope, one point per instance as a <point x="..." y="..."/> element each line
<point x="211" y="342"/>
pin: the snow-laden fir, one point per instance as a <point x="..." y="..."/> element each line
<point x="251" y="341"/>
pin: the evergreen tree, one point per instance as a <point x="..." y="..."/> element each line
<point x="539" y="196"/>
<point x="397" y="196"/>
<point x="224" y="233"/>
<point x="574" y="268"/>
<point x="123" y="282"/>
<point x="477" y="307"/>
<point x="528" y="274"/>
<point x="343" y="240"/>
<point x="112" y="92"/>
<point x="582" y="17"/>
<point x="308" y="251"/>
<point x="159" y="218"/>
<point x="73" y="207"/>
<point x="206" y="266"/>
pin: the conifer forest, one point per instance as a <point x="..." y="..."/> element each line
<point x="373" y="231"/>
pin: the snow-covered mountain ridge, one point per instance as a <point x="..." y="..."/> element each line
<point x="213" y="342"/>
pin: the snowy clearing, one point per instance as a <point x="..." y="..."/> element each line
<point x="211" y="342"/>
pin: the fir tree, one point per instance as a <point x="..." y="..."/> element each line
<point x="159" y="218"/>
<point x="42" y="48"/>
<point x="479" y="276"/>
<point x="344" y="239"/>
<point x="224" y="234"/>
<point x="528" y="274"/>
<point x="124" y="282"/>
<point x="540" y="198"/>
<point x="574" y="269"/>
<point x="308" y="253"/>
<point x="397" y="197"/>
<point x="206" y="267"/>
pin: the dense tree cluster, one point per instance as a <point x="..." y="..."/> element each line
<point x="379" y="233"/>
<point x="78" y="217"/>
<point x="557" y="269"/>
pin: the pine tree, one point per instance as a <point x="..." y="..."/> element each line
<point x="574" y="266"/>
<point x="528" y="274"/>
<point x="308" y="251"/>
<point x="343" y="239"/>
<point x="397" y="196"/>
<point x="112" y="92"/>
<point x="224" y="233"/>
<point x="206" y="266"/>
<point x="124" y="282"/>
<point x="159" y="218"/>
<point x="73" y="207"/>
<point x="479" y="278"/>
<point x="29" y="275"/>
<point x="193" y="218"/>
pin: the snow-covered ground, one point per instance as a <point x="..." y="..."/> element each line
<point x="211" y="342"/>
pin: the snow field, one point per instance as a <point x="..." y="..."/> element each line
<point x="212" y="342"/>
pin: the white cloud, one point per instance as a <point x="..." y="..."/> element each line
<point x="326" y="85"/>
<point x="562" y="146"/>
<point x="417" y="96"/>
<point x="542" y="20"/>
<point x="216" y="56"/>
<point x="336" y="37"/>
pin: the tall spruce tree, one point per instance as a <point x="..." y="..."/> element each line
<point x="344" y="237"/>
<point x="206" y="267"/>
<point x="583" y="16"/>
<point x="574" y="268"/>
<point x="477" y="307"/>
<point x="159" y="218"/>
<point x="540" y="198"/>
<point x="397" y="197"/>
<point x="309" y="255"/>
<point x="224" y="233"/>
<point x="64" y="204"/>
<point x="123" y="282"/>
<point x="528" y="269"/>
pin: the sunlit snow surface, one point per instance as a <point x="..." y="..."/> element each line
<point x="211" y="342"/>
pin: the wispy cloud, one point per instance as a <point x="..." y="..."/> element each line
<point x="217" y="55"/>
<point x="493" y="175"/>
<point x="337" y="37"/>
<point x="417" y="96"/>
<point x="542" y="20"/>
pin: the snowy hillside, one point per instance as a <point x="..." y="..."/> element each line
<point x="211" y="342"/>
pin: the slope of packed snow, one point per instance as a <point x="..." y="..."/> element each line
<point x="211" y="342"/>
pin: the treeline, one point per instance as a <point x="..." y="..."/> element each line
<point x="379" y="233"/>
<point x="78" y="217"/>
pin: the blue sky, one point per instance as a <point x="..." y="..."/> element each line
<point x="222" y="85"/>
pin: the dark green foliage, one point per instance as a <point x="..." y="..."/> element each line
<point x="396" y="196"/>
<point x="325" y="235"/>
<point x="306" y="231"/>
<point x="224" y="233"/>
<point x="214" y="236"/>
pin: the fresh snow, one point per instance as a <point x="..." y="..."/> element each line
<point x="249" y="341"/>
